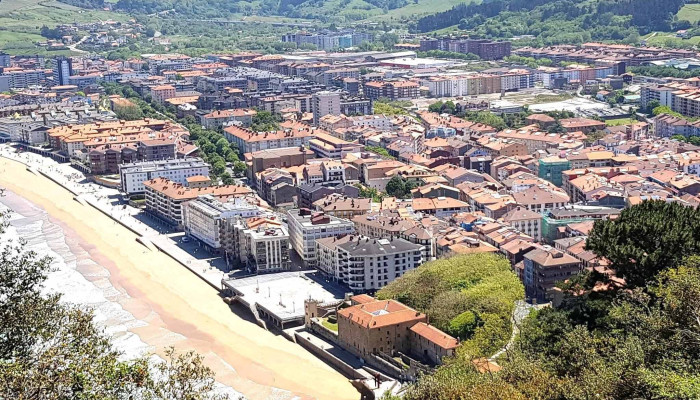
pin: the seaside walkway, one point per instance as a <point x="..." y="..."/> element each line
<point x="98" y="197"/>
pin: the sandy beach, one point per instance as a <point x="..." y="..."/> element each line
<point x="173" y="306"/>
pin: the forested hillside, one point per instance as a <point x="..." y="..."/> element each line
<point x="317" y="9"/>
<point x="557" y="21"/>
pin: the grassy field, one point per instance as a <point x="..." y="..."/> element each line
<point x="21" y="21"/>
<point x="662" y="39"/>
<point x="621" y="121"/>
<point x="690" y="12"/>
<point x="421" y="7"/>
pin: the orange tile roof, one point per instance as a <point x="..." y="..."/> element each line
<point x="381" y="313"/>
<point x="177" y="191"/>
<point x="435" y="335"/>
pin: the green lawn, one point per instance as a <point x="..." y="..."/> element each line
<point x="621" y="121"/>
<point x="330" y="325"/>
<point x="690" y="12"/>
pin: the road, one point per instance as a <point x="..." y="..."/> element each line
<point x="74" y="47"/>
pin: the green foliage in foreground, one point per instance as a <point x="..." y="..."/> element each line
<point x="647" y="239"/>
<point x="642" y="342"/>
<point x="53" y="350"/>
<point x="468" y="296"/>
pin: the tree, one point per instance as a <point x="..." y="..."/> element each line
<point x="396" y="187"/>
<point x="662" y="110"/>
<point x="218" y="167"/>
<point x="436" y="107"/>
<point x="239" y="168"/>
<point x="647" y="239"/>
<point x="265" y="121"/>
<point x="651" y="106"/>
<point x="52" y="350"/>
<point x="370" y="193"/>
<point x="445" y="289"/>
<point x="128" y="113"/>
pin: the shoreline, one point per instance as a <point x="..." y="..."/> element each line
<point x="253" y="361"/>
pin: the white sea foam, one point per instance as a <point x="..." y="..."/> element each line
<point x="80" y="280"/>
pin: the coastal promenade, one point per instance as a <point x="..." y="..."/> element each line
<point x="99" y="197"/>
<point x="179" y="310"/>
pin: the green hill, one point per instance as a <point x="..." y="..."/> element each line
<point x="329" y="11"/>
<point x="561" y="21"/>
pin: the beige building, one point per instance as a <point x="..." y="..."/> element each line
<point x="341" y="206"/>
<point x="526" y="221"/>
<point x="165" y="198"/>
<point x="371" y="327"/>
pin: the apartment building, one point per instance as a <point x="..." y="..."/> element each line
<point x="342" y="206"/>
<point x="484" y="48"/>
<point x="211" y="221"/>
<point x="308" y="194"/>
<point x="544" y="268"/>
<point x="133" y="175"/>
<point x="292" y="134"/>
<point x="536" y="140"/>
<point x="666" y="125"/>
<point x="325" y="103"/>
<point x="393" y="90"/>
<point x="106" y="158"/>
<point x="62" y="69"/>
<point x="284" y="157"/>
<point x="591" y="159"/>
<point x="551" y="168"/>
<point x="327" y="146"/>
<point x="161" y="93"/>
<point x="526" y="221"/>
<point x="366" y="264"/>
<point x="164" y="198"/>
<point x="264" y="246"/>
<point x="305" y="227"/>
<point x="540" y="198"/>
<point x="18" y="78"/>
<point x="217" y="118"/>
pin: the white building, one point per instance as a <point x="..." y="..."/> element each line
<point x="206" y="219"/>
<point x="265" y="247"/>
<point x="133" y="175"/>
<point x="366" y="264"/>
<point x="11" y="127"/>
<point x="306" y="226"/>
<point x="378" y="122"/>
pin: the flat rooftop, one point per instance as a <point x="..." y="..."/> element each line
<point x="573" y="105"/>
<point x="281" y="295"/>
